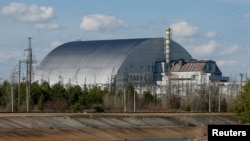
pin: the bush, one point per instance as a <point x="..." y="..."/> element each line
<point x="76" y="107"/>
<point x="242" y="104"/>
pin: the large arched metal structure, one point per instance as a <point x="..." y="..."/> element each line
<point x="102" y="61"/>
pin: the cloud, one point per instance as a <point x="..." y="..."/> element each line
<point x="211" y="34"/>
<point x="50" y="47"/>
<point x="28" y="13"/>
<point x="47" y="26"/>
<point x="230" y="50"/>
<point x="183" y="29"/>
<point x="6" y="56"/>
<point x="55" y="44"/>
<point x="205" y="49"/>
<point x="221" y="63"/>
<point x="99" y="22"/>
<point x="38" y="16"/>
<point x="236" y="1"/>
<point x="247" y="16"/>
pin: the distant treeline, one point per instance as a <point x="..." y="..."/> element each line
<point x="75" y="98"/>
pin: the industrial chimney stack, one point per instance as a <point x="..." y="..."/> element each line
<point x="167" y="45"/>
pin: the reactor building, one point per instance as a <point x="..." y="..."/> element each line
<point x="142" y="62"/>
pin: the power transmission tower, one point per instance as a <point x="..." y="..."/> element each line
<point x="29" y="70"/>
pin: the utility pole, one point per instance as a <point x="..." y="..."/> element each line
<point x="134" y="102"/>
<point x="241" y="76"/>
<point x="209" y="102"/>
<point x="12" y="91"/>
<point x="19" y="81"/>
<point x="124" y="98"/>
<point x="220" y="90"/>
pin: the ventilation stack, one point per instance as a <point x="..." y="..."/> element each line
<point x="167" y="45"/>
<point x="168" y="61"/>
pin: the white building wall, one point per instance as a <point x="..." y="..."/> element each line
<point x="195" y="77"/>
<point x="182" y="82"/>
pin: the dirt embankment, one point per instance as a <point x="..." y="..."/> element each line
<point x="88" y="127"/>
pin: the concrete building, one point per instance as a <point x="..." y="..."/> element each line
<point x="190" y="75"/>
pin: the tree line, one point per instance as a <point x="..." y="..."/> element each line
<point x="58" y="98"/>
<point x="43" y="97"/>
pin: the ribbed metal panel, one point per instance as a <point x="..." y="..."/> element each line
<point x="95" y="62"/>
<point x="189" y="66"/>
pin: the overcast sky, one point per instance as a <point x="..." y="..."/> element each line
<point x="216" y="30"/>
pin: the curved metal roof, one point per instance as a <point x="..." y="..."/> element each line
<point x="94" y="61"/>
